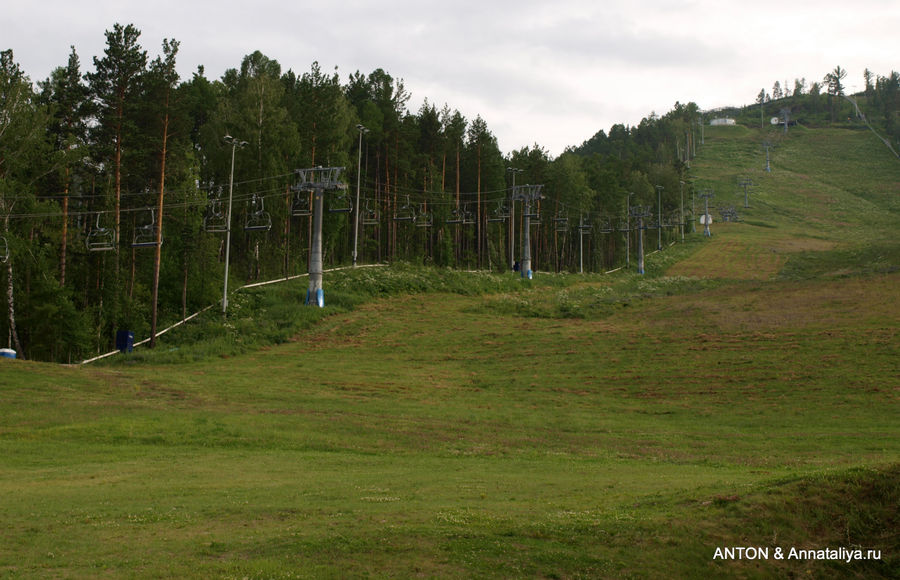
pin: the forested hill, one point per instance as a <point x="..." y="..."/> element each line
<point x="115" y="179"/>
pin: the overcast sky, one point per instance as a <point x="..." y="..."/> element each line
<point x="538" y="72"/>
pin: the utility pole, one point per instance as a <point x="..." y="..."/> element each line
<point x="319" y="180"/>
<point x="527" y="194"/>
<point x="235" y="143"/>
<point x="767" y="145"/>
<point x="682" y="211"/>
<point x="361" y="130"/>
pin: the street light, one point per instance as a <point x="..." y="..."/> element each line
<point x="659" y="189"/>
<point x="361" y="130"/>
<point x="235" y="143"/>
<point x="512" y="216"/>
<point x="628" y="230"/>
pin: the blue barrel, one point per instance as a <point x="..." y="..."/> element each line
<point x="124" y="341"/>
<point x="7" y="353"/>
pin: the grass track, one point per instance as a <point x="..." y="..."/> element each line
<point x="613" y="426"/>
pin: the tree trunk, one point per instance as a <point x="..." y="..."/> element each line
<point x="10" y="297"/>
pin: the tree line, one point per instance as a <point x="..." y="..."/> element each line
<point x="114" y="183"/>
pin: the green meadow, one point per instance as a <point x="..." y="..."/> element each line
<point x="745" y="392"/>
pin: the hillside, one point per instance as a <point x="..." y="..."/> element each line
<point x="742" y="393"/>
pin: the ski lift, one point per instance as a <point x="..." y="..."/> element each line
<point x="145" y="234"/>
<point x="424" y="219"/>
<point x="302" y="206"/>
<point x="4" y="250"/>
<point x="561" y="223"/>
<point x="606" y="226"/>
<point x="258" y="219"/>
<point x="406" y="213"/>
<point x="534" y="215"/>
<point x="215" y="221"/>
<point x="370" y="216"/>
<point x="624" y="226"/>
<point x="342" y="202"/>
<point x="585" y="227"/>
<point x="456" y="216"/>
<point x="500" y="213"/>
<point x="99" y="239"/>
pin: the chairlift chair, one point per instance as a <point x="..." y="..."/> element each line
<point x="145" y="234"/>
<point x="370" y="216"/>
<point x="301" y="206"/>
<point x="585" y="227"/>
<point x="467" y="216"/>
<point x="561" y="223"/>
<point x="99" y="239"/>
<point x="605" y="226"/>
<point x="501" y="213"/>
<point x="258" y="219"/>
<point x="456" y="216"/>
<point x="424" y="218"/>
<point x="406" y="213"/>
<point x="215" y="221"/>
<point x="341" y="203"/>
<point x="624" y="226"/>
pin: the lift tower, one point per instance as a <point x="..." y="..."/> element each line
<point x="319" y="180"/>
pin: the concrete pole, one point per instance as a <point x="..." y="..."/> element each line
<point x="316" y="295"/>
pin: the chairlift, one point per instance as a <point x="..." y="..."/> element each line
<point x="406" y="212"/>
<point x="258" y="219"/>
<point x="500" y="213"/>
<point x="585" y="227"/>
<point x="467" y="216"/>
<point x="370" y="216"/>
<point x="424" y="219"/>
<point x="99" y="239"/>
<point x="301" y="206"/>
<point x="456" y="216"/>
<point x="624" y="226"/>
<point x="561" y="223"/>
<point x="145" y="234"/>
<point x="605" y="226"/>
<point x="215" y="221"/>
<point x="341" y="202"/>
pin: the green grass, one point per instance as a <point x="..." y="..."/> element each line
<point x="444" y="424"/>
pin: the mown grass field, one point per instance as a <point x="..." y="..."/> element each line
<point x="743" y="393"/>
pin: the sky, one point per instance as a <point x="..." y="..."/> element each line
<point x="539" y="73"/>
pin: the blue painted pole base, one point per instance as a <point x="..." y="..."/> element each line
<point x="320" y="298"/>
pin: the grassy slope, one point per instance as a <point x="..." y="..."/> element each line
<point x="599" y="426"/>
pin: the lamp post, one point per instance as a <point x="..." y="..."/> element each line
<point x="512" y="216"/>
<point x="235" y="143"/>
<point x="628" y="229"/>
<point x="659" y="221"/>
<point x="361" y="130"/>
